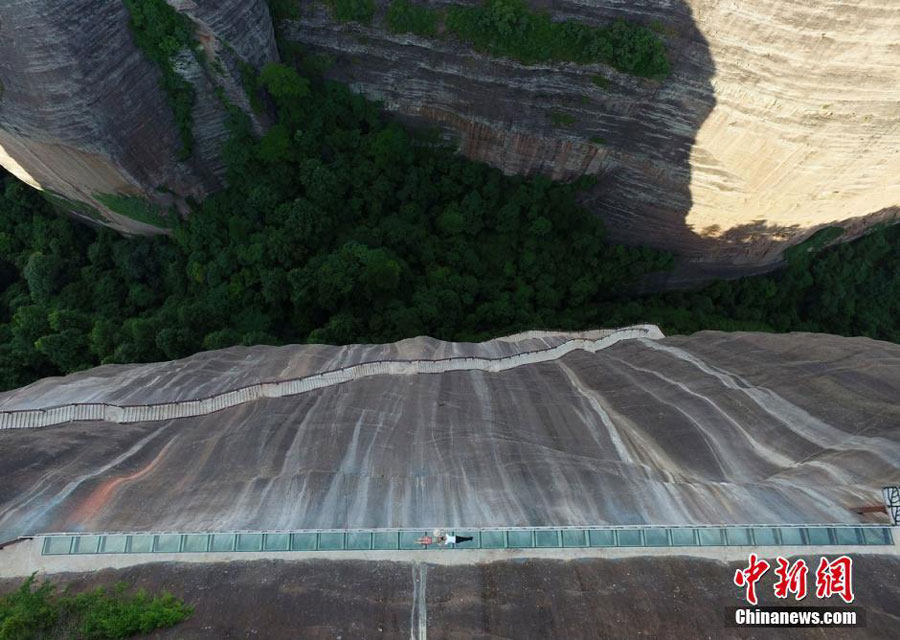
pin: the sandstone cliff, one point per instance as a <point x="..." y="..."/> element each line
<point x="711" y="428"/>
<point x="779" y="116"/>
<point x="82" y="111"/>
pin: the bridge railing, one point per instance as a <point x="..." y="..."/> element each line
<point x="482" y="538"/>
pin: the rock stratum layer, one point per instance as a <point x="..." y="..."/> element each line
<point x="82" y="110"/>
<point x="712" y="428"/>
<point x="779" y="116"/>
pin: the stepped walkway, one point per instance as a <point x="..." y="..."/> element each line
<point x="106" y="412"/>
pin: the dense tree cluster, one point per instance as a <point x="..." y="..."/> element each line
<point x="337" y="227"/>
<point x="850" y="289"/>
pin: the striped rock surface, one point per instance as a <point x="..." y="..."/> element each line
<point x="711" y="428"/>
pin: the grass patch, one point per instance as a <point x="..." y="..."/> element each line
<point x="136" y="208"/>
<point x="61" y="202"/>
<point x="37" y="611"/>
<point x="511" y="29"/>
<point x="600" y="81"/>
<point x="598" y="139"/>
<point x="561" y="119"/>
<point x="161" y="33"/>
<point x="353" y="10"/>
<point x="406" y="17"/>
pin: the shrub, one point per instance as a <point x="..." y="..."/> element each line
<point x="38" y="611"/>
<point x="406" y="17"/>
<point x="353" y="10"/>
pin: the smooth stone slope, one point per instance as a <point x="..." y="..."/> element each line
<point x="712" y="428"/>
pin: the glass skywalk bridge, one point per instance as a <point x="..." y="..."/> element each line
<point x="493" y="538"/>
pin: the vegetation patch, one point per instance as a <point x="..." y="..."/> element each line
<point x="511" y="29"/>
<point x="162" y="33"/>
<point x="405" y="17"/>
<point x="248" y="82"/>
<point x="816" y="242"/>
<point x="38" y="611"/>
<point x="61" y="202"/>
<point x="136" y="208"/>
<point x="360" y="11"/>
<point x="600" y="81"/>
<point x="561" y="119"/>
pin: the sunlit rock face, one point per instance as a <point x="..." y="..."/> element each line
<point x="779" y="116"/>
<point x="805" y="128"/>
<point x="712" y="428"/>
<point x="82" y="111"/>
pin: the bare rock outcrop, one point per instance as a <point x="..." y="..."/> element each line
<point x="82" y="110"/>
<point x="779" y="117"/>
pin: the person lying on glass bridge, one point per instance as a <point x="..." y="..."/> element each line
<point x="443" y="539"/>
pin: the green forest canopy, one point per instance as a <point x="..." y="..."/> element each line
<point x="339" y="226"/>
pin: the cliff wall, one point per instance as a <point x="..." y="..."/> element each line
<point x="82" y="111"/>
<point x="779" y="116"/>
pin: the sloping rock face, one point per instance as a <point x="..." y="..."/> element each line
<point x="650" y="597"/>
<point x="711" y="428"/>
<point x="82" y="111"/>
<point x="779" y="116"/>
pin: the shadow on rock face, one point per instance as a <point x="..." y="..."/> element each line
<point x="562" y="120"/>
<point x="643" y="191"/>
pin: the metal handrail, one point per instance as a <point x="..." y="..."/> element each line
<point x="862" y="525"/>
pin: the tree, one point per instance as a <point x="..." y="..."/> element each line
<point x="43" y="273"/>
<point x="67" y="350"/>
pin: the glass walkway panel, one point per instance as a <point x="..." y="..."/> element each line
<point x="495" y="538"/>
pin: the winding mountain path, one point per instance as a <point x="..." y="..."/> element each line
<point x="121" y="414"/>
